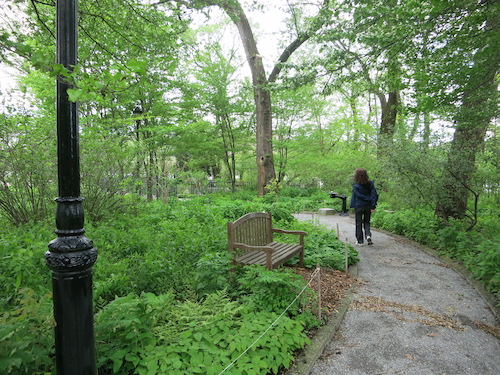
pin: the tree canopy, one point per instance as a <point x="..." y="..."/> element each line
<point x="353" y="83"/>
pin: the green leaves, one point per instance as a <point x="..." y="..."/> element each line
<point x="26" y="339"/>
<point x="195" y="338"/>
<point x="138" y="67"/>
<point x="74" y="95"/>
<point x="91" y="88"/>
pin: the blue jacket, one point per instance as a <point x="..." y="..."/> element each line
<point x="364" y="195"/>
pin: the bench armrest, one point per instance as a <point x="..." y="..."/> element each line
<point x="301" y="233"/>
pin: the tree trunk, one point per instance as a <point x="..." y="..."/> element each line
<point x="228" y="142"/>
<point x="479" y="107"/>
<point x="389" y="107"/>
<point x="471" y="122"/>
<point x="353" y="103"/>
<point x="262" y="97"/>
<point x="426" y="137"/>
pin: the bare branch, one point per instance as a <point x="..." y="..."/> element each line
<point x="33" y="2"/>
<point x="301" y="39"/>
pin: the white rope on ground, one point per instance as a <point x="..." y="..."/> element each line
<point x="272" y="324"/>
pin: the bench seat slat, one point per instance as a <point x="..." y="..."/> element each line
<point x="282" y="252"/>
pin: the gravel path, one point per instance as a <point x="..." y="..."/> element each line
<point x="412" y="314"/>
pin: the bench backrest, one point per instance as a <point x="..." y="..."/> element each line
<point x="253" y="229"/>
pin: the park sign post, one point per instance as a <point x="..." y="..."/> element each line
<point x="71" y="255"/>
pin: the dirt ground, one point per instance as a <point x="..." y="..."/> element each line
<point x="334" y="285"/>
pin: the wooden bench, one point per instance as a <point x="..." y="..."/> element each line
<point x="251" y="239"/>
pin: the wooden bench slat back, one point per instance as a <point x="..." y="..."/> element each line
<point x="253" y="229"/>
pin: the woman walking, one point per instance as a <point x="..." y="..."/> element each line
<point x="364" y="201"/>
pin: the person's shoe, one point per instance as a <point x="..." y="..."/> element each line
<point x="369" y="239"/>
<point x="359" y="243"/>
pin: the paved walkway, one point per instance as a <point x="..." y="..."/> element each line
<point x="412" y="315"/>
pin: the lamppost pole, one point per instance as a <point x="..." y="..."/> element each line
<point x="71" y="255"/>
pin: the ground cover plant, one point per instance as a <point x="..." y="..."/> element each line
<point x="165" y="297"/>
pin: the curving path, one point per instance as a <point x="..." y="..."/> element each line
<point x="413" y="314"/>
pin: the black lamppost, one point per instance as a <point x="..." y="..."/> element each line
<point x="71" y="255"/>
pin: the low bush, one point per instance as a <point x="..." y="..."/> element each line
<point x="272" y="291"/>
<point x="151" y="334"/>
<point x="26" y="334"/>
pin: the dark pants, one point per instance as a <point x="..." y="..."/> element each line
<point x="363" y="215"/>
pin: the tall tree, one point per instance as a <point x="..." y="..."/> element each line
<point x="364" y="48"/>
<point x="223" y="105"/>
<point x="260" y="81"/>
<point x="450" y="49"/>
<point x="473" y="33"/>
<point x="119" y="66"/>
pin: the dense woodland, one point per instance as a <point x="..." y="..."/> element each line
<point x="193" y="112"/>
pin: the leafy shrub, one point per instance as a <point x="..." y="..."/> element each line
<point x="26" y="335"/>
<point x="272" y="291"/>
<point x="453" y="239"/>
<point x="212" y="273"/>
<point x="155" y="334"/>
<point x="485" y="264"/>
<point x="27" y="165"/>
<point x="281" y="213"/>
<point x="124" y="329"/>
<point x="419" y="224"/>
<point x="161" y="244"/>
<point x="154" y="260"/>
<point x="23" y="264"/>
<point x="322" y="246"/>
<point x="292" y="192"/>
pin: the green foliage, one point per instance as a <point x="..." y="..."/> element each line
<point x="161" y="286"/>
<point x="26" y="334"/>
<point x="155" y="334"/>
<point x="21" y="252"/>
<point x="484" y="263"/>
<point x="123" y="331"/>
<point x="212" y="273"/>
<point x="408" y="173"/>
<point x="162" y="243"/>
<point x="419" y="224"/>
<point x="195" y="119"/>
<point x="323" y="247"/>
<point x="270" y="290"/>
<point x="27" y="166"/>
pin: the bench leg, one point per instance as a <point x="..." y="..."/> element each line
<point x="301" y="259"/>
<point x="269" y="261"/>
